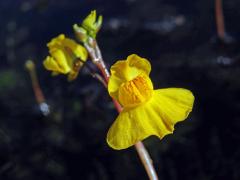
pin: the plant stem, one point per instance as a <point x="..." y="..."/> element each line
<point x="219" y="19"/>
<point x="43" y="106"/>
<point x="97" y="59"/>
<point x="99" y="78"/>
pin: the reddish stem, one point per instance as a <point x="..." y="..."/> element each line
<point x="100" y="67"/>
<point x="142" y="152"/>
<point x="146" y="160"/>
<point x="44" y="108"/>
<point x="36" y="87"/>
<point x="219" y="19"/>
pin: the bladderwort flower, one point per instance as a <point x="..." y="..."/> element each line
<point x="66" y="57"/>
<point x="145" y="111"/>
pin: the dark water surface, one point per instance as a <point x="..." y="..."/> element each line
<point x="178" y="37"/>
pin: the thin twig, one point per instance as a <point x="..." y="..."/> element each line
<point x="97" y="59"/>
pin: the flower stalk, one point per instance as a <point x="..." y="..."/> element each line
<point x="220" y="19"/>
<point x="96" y="56"/>
<point x="43" y="106"/>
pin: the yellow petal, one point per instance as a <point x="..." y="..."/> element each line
<point x="174" y="104"/>
<point x="51" y="65"/>
<point x="62" y="60"/>
<point x="126" y="70"/>
<point x="56" y="42"/>
<point x="140" y="63"/>
<point x="113" y="86"/>
<point x="78" y="50"/>
<point x="133" y="125"/>
<point x="81" y="52"/>
<point x="155" y="117"/>
<point x="67" y="45"/>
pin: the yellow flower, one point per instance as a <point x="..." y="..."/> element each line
<point x="145" y="111"/>
<point x="67" y="56"/>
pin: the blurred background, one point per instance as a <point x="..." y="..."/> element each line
<point x="178" y="37"/>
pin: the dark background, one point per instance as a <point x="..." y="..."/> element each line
<point x="178" y="37"/>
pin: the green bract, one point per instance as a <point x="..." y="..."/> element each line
<point x="89" y="27"/>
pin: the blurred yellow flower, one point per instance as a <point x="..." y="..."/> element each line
<point x="67" y="56"/>
<point x="145" y="111"/>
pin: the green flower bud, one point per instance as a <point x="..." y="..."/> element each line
<point x="89" y="27"/>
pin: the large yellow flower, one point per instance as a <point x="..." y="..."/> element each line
<point x="66" y="56"/>
<point x="145" y="111"/>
